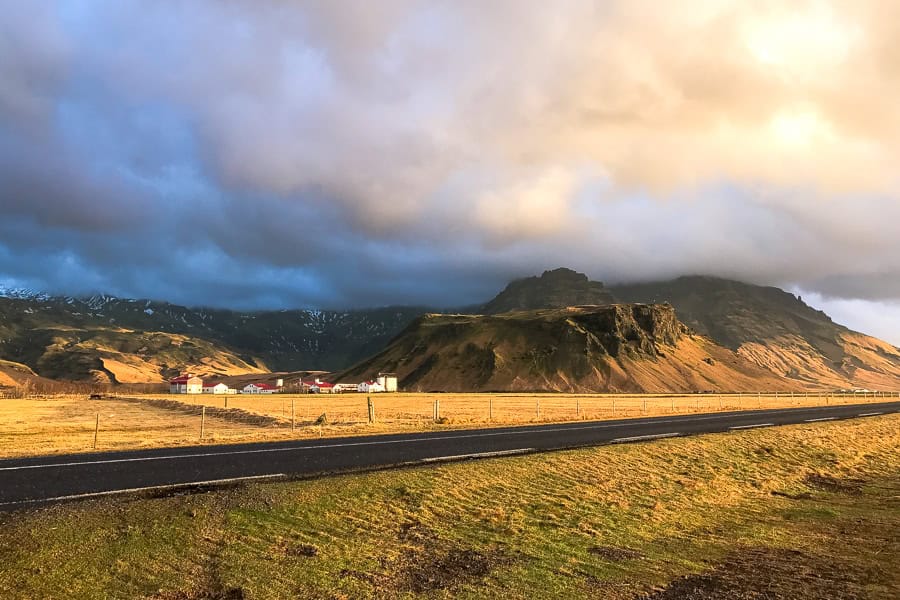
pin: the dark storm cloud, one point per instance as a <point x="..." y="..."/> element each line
<point x="322" y="154"/>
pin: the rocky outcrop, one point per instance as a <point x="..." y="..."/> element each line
<point x="558" y="288"/>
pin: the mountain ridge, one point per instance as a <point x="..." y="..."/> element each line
<point x="104" y="338"/>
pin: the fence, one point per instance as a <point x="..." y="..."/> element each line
<point x="510" y="408"/>
<point x="75" y="423"/>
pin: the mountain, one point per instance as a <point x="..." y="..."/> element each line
<point x="102" y="338"/>
<point x="613" y="348"/>
<point x="776" y="330"/>
<point x="558" y="288"/>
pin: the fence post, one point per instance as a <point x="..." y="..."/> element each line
<point x="202" y="420"/>
<point x="437" y="410"/>
<point x="490" y="409"/>
<point x="577" y="408"/>
<point x="645" y="406"/>
<point x="698" y="403"/>
<point x="759" y="398"/>
<point x="673" y="404"/>
<point x="537" y="408"/>
<point x="614" y="406"/>
<point x="96" y="430"/>
<point x="371" y="409"/>
<point x="226" y="401"/>
<point x="293" y="420"/>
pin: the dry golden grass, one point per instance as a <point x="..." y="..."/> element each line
<point x="509" y="408"/>
<point x="44" y="425"/>
<point x="34" y="426"/>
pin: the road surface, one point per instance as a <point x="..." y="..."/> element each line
<point x="27" y="482"/>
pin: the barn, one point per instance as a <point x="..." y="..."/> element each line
<point x="186" y="384"/>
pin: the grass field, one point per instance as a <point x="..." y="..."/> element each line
<point x="67" y="423"/>
<point x="807" y="511"/>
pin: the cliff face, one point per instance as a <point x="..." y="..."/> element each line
<point x="558" y="288"/>
<point x="623" y="347"/>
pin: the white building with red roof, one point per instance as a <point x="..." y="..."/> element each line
<point x="212" y="387"/>
<point x="319" y="387"/>
<point x="371" y="387"/>
<point x="259" y="388"/>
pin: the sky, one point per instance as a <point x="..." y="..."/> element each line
<point x="332" y="154"/>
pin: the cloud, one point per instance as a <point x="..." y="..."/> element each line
<point x="314" y="153"/>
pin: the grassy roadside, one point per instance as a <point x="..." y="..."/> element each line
<point x="809" y="511"/>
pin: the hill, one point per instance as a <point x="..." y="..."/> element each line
<point x="103" y="338"/>
<point x="615" y="348"/>
<point x="776" y="330"/>
<point x="558" y="288"/>
<point x="12" y="373"/>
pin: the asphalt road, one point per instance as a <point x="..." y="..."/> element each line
<point x="27" y="482"/>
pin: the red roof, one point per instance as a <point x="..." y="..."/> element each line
<point x="324" y="384"/>
<point x="265" y="386"/>
<point x="181" y="379"/>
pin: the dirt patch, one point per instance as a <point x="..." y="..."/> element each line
<point x="826" y="483"/>
<point x="296" y="549"/>
<point x="448" y="570"/>
<point x="769" y="574"/>
<point x="430" y="567"/>
<point x="234" y="415"/>
<point x="615" y="553"/>
<point x="790" y="496"/>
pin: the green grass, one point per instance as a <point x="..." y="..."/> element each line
<point x="557" y="525"/>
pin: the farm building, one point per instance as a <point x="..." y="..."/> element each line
<point x="370" y="387"/>
<point x="321" y="387"/>
<point x="259" y="388"/>
<point x="388" y="381"/>
<point x="345" y="387"/>
<point x="210" y="387"/>
<point x="186" y="384"/>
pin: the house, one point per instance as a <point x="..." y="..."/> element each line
<point x="321" y="387"/>
<point x="186" y="384"/>
<point x="370" y="387"/>
<point x="211" y="387"/>
<point x="345" y="387"/>
<point x="259" y="388"/>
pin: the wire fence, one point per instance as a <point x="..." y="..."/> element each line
<point x="71" y="423"/>
<point x="507" y="408"/>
